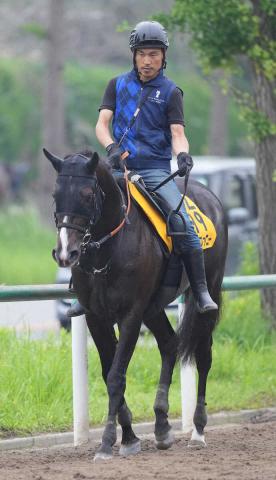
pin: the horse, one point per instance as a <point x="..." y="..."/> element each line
<point x="126" y="267"/>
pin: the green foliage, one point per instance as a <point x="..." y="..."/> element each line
<point x="243" y="322"/>
<point x="84" y="91"/>
<point x="250" y="260"/>
<point x="19" y="110"/>
<point x="259" y="125"/>
<point x="197" y="105"/>
<point x="223" y="31"/>
<point x="35" y="29"/>
<point x="25" y="249"/>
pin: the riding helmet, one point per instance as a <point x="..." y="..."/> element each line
<point x="148" y="34"/>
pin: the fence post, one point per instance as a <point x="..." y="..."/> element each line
<point x="80" y="380"/>
<point x="187" y="384"/>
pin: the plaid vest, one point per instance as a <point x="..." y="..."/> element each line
<point x="149" y="139"/>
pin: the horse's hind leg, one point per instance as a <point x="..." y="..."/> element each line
<point x="167" y="344"/>
<point x="105" y="341"/>
<point x="203" y="357"/>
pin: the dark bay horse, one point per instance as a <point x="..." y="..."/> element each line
<point x="125" y="273"/>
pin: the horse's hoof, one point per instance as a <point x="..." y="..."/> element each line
<point x="130" y="449"/>
<point x="104" y="453"/>
<point x="101" y="456"/>
<point x="197" y="440"/>
<point x="197" y="444"/>
<point x="166" y="441"/>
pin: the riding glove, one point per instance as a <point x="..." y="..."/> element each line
<point x="114" y="156"/>
<point x="185" y="163"/>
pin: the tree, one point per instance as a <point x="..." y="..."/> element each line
<point x="53" y="124"/>
<point x="227" y="34"/>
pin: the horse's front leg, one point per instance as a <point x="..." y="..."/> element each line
<point x="130" y="443"/>
<point x="167" y="344"/>
<point x="116" y="384"/>
<point x="106" y="341"/>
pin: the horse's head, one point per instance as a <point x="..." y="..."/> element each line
<point x="79" y="199"/>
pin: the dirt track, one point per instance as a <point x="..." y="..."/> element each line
<point x="243" y="452"/>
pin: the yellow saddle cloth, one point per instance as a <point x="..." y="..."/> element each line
<point x="203" y="225"/>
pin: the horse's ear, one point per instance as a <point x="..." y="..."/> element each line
<point x="55" y="161"/>
<point x="93" y="162"/>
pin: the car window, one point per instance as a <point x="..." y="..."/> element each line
<point x="234" y="197"/>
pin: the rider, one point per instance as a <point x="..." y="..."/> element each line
<point x="157" y="131"/>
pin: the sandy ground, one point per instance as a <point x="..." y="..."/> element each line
<point x="240" y="452"/>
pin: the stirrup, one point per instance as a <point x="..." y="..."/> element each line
<point x="171" y="233"/>
<point x="205" y="304"/>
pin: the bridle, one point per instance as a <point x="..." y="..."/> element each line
<point x="88" y="244"/>
<point x="96" y="209"/>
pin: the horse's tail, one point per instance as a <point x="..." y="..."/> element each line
<point x="196" y="327"/>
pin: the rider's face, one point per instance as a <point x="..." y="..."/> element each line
<point x="148" y="62"/>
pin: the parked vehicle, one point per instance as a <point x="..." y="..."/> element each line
<point x="234" y="182"/>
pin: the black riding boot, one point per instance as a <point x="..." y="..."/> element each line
<point x="76" y="310"/>
<point x="194" y="265"/>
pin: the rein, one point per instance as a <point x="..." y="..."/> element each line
<point x="87" y="244"/>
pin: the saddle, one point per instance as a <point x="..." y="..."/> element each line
<point x="156" y="211"/>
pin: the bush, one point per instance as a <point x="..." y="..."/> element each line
<point x="20" y="110"/>
<point x="25" y="247"/>
<point x="250" y="260"/>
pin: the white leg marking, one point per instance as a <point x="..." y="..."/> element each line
<point x="63" y="240"/>
<point x="188" y="395"/>
<point x="197" y="436"/>
<point x="197" y="441"/>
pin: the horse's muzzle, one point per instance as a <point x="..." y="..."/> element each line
<point x="70" y="260"/>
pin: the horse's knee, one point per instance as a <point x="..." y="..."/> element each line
<point x="116" y="383"/>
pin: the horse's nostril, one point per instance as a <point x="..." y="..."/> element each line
<point x="73" y="255"/>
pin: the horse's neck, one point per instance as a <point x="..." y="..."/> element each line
<point x="112" y="205"/>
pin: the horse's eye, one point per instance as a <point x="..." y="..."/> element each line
<point x="86" y="195"/>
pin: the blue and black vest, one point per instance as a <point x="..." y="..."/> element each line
<point x="149" y="139"/>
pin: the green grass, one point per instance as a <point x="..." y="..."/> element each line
<point x="36" y="386"/>
<point x="35" y="375"/>
<point x="25" y="247"/>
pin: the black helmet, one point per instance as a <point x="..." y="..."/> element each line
<point x="148" y="35"/>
